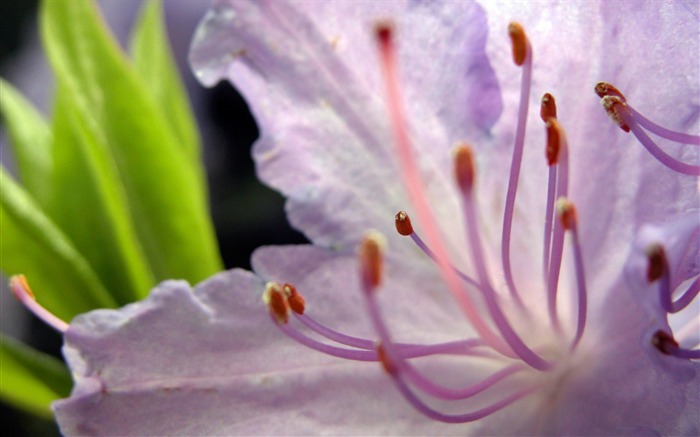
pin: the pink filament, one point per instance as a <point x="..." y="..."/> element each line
<point x="558" y="237"/>
<point x="580" y="285"/>
<point x="548" y="221"/>
<point x="416" y="191"/>
<point x="25" y="296"/>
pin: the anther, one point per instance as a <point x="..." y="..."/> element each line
<point x="403" y="223"/>
<point x="464" y="167"/>
<point x="294" y="298"/>
<point x="664" y="342"/>
<point x="613" y="105"/>
<point x="657" y="262"/>
<point x="554" y="137"/>
<point x="519" y="42"/>
<point x="566" y="212"/>
<point x="384" y="31"/>
<point x="20" y="288"/>
<point x="370" y="254"/>
<point x="388" y="366"/>
<point x="548" y="107"/>
<point x="276" y="300"/>
<point x="604" y="89"/>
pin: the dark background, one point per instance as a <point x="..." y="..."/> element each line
<point x="246" y="214"/>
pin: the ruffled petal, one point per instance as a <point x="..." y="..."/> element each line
<point x="209" y="361"/>
<point x="311" y="75"/>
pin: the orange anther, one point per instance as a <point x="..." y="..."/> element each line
<point x="464" y="167"/>
<point x="519" y="42"/>
<point x="548" y="107"/>
<point x="403" y="223"/>
<point x="604" y="89"/>
<point x="613" y="105"/>
<point x="294" y="298"/>
<point x="276" y="300"/>
<point x="19" y="284"/>
<point x="371" y="263"/>
<point x="554" y="140"/>
<point x="567" y="213"/>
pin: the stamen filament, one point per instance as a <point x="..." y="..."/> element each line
<point x="567" y="213"/>
<point x="516" y="161"/>
<point x="20" y="289"/>
<point x="502" y="324"/>
<point x="407" y="350"/>
<point x="416" y="191"/>
<point x="549" y="221"/>
<point x="424" y="247"/>
<point x="677" y="137"/>
<point x="649" y="144"/>
<point x="690" y="294"/>
<point x="455" y="418"/>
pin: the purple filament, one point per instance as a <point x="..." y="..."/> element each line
<point x="424" y="247"/>
<point x="687" y="297"/>
<point x="548" y="220"/>
<point x="558" y="237"/>
<point x="654" y="128"/>
<point x="515" y="165"/>
<point x="656" y="152"/>
<point x="581" y="286"/>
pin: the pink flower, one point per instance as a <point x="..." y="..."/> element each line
<point x="531" y="335"/>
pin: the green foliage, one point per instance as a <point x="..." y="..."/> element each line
<point x="112" y="195"/>
<point x="31" y="380"/>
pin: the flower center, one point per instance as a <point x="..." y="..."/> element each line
<point x="528" y="355"/>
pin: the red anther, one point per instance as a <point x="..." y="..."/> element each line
<point x="657" y="262"/>
<point x="384" y="31"/>
<point x="604" y="89"/>
<point x="294" y="298"/>
<point x="567" y="213"/>
<point x="371" y="263"/>
<point x="464" y="167"/>
<point x="548" y="107"/>
<point x="403" y="223"/>
<point x="519" y="42"/>
<point x="664" y="342"/>
<point x="554" y="137"/>
<point x="276" y="300"/>
<point x="613" y="105"/>
<point x="389" y="367"/>
<point x="19" y="284"/>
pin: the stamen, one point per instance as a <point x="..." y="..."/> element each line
<point x="690" y="294"/>
<point x="557" y="245"/>
<point x="21" y="290"/>
<point x="667" y="345"/>
<point x="621" y="114"/>
<point x="519" y="42"/>
<point x="456" y="418"/>
<point x="403" y="223"/>
<point x="277" y="303"/>
<point x="371" y="259"/>
<point x="502" y="324"/>
<point x="464" y="167"/>
<point x="295" y="299"/>
<point x="522" y="56"/>
<point x="416" y="190"/>
<point x="548" y="110"/>
<point x="348" y="354"/>
<point x="567" y="214"/>
<point x="604" y="89"/>
<point x="658" y="269"/>
<point x="548" y="107"/>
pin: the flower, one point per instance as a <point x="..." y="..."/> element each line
<point x="212" y="362"/>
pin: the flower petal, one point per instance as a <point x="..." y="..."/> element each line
<point x="312" y="78"/>
<point x="209" y="361"/>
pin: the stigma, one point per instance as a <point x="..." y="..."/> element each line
<point x="530" y="344"/>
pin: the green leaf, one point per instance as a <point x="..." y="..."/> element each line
<point x="30" y="138"/>
<point x="89" y="204"/>
<point x="31" y="380"/>
<point x="154" y="61"/>
<point x="33" y="245"/>
<point x="166" y="196"/>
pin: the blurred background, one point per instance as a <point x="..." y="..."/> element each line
<point x="246" y="214"/>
